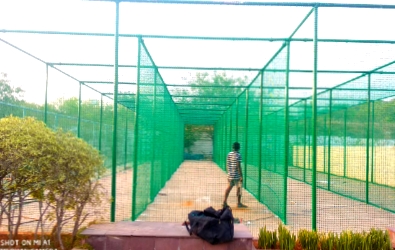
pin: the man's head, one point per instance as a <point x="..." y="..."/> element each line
<point x="236" y="146"/>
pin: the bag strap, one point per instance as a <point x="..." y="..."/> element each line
<point x="189" y="230"/>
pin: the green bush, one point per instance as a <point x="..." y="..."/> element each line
<point x="311" y="240"/>
<point x="267" y="239"/>
<point x="286" y="239"/>
<point x="54" y="168"/>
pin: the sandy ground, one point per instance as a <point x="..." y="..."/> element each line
<point x="200" y="184"/>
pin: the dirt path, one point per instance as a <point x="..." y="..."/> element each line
<point x="199" y="184"/>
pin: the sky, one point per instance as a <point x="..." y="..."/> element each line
<point x="182" y="20"/>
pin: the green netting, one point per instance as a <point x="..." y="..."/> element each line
<point x="159" y="130"/>
<point x="268" y="109"/>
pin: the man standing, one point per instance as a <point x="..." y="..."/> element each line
<point x="235" y="176"/>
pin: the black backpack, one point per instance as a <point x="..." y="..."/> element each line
<point x="214" y="226"/>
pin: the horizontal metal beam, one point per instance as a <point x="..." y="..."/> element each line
<point x="253" y="3"/>
<point x="119" y="93"/>
<point x="205" y="86"/>
<point x="205" y="111"/>
<point x="108" y="82"/>
<point x="202" y="104"/>
<point x="282" y="39"/>
<point x="225" y="68"/>
<point x="204" y="96"/>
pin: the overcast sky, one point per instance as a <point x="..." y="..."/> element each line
<point x="183" y="20"/>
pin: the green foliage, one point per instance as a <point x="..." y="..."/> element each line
<point x="286" y="239"/>
<point x="308" y="239"/>
<point x="267" y="239"/>
<point x="27" y="149"/>
<point x="193" y="133"/>
<point x="26" y="152"/>
<point x="201" y="87"/>
<point x="9" y="94"/>
<point x="329" y="241"/>
<point x="54" y="167"/>
<point x="347" y="240"/>
<point x="378" y="239"/>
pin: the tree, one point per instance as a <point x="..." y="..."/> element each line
<point x="73" y="184"/>
<point x="9" y="94"/>
<point x="53" y="168"/>
<point x="208" y="87"/>
<point x="27" y="147"/>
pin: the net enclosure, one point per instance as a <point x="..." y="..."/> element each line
<point x="164" y="88"/>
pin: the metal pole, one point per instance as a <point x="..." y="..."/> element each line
<point x="372" y="154"/>
<point x="136" y="134"/>
<point x="101" y="122"/>
<point x="231" y="125"/>
<point x="275" y="142"/>
<point x="367" y="144"/>
<point x="126" y="143"/>
<point x="329" y="140"/>
<point x="345" y="144"/>
<point x="246" y="141"/>
<point x="79" y="111"/>
<point x="297" y="144"/>
<point x="46" y="96"/>
<point x="305" y="141"/>
<point x="115" y="118"/>
<point x="314" y="120"/>
<point x="324" y="134"/>
<point x="237" y="119"/>
<point x="260" y="139"/>
<point x="286" y="136"/>
<point x="152" y="192"/>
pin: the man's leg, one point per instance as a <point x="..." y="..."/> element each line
<point x="227" y="191"/>
<point x="239" y="204"/>
<point x="238" y="195"/>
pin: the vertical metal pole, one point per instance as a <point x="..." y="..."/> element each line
<point x="314" y="120"/>
<point x="286" y="136"/>
<point x="275" y="141"/>
<point x="227" y="142"/>
<point x="345" y="144"/>
<point x="231" y="125"/>
<point x="79" y="112"/>
<point x="329" y="140"/>
<point x="136" y="134"/>
<point x="367" y="144"/>
<point x="237" y="119"/>
<point x="101" y="122"/>
<point x="305" y="139"/>
<point x="246" y="141"/>
<point x="46" y="96"/>
<point x="152" y="191"/>
<point x="372" y="148"/>
<point x="126" y="143"/>
<point x="115" y="118"/>
<point x="297" y="143"/>
<point x="260" y="139"/>
<point x="324" y="160"/>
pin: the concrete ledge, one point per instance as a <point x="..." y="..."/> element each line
<point x="138" y="235"/>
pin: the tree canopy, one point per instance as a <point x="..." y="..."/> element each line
<point x="8" y="93"/>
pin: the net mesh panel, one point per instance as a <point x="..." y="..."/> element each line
<point x="273" y="183"/>
<point x="355" y="124"/>
<point x="381" y="140"/>
<point x="156" y="117"/>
